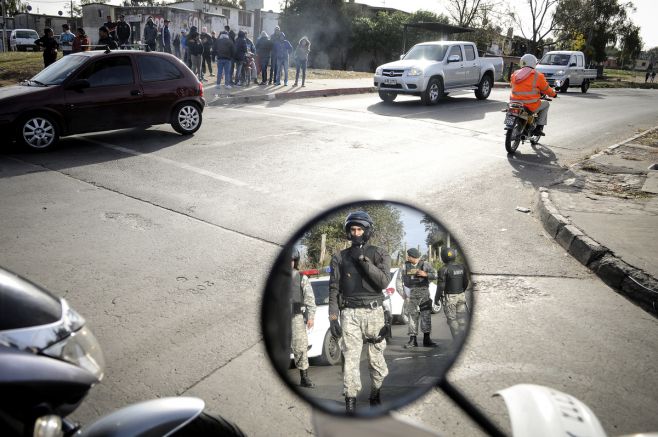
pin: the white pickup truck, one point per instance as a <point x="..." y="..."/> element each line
<point x="565" y="69"/>
<point x="432" y="69"/>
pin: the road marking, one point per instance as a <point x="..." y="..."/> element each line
<point x="182" y="165"/>
<point x="403" y="358"/>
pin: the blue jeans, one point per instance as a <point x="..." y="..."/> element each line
<point x="264" y="61"/>
<point x="223" y="66"/>
<point x="282" y="64"/>
<point x="302" y="65"/>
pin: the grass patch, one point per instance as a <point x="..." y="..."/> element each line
<point x="591" y="168"/>
<point x="650" y="139"/>
<point x="17" y="66"/>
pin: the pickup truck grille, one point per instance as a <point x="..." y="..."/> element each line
<point x="548" y="74"/>
<point x="392" y="73"/>
<point x="396" y="86"/>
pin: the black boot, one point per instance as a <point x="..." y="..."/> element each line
<point x="374" y="398"/>
<point x="412" y="342"/>
<point x="350" y="405"/>
<point x="427" y="341"/>
<point x="539" y="130"/>
<point x="305" y="380"/>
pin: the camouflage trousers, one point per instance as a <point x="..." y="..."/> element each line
<point x="456" y="313"/>
<point x="414" y="315"/>
<point x="359" y="324"/>
<point x="299" y="342"/>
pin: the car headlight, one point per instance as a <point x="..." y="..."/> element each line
<point x="414" y="72"/>
<point x="559" y="72"/>
<point x="81" y="349"/>
<point x="378" y="71"/>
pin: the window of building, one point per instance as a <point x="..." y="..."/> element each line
<point x="226" y="13"/>
<point x="49" y="22"/>
<point x="244" y="18"/>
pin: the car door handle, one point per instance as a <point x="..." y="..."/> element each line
<point x="135" y="93"/>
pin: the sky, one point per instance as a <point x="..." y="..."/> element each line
<point x="646" y="15"/>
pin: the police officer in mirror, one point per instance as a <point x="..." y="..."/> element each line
<point x="358" y="275"/>
<point x="416" y="276"/>
<point x="451" y="287"/>
<point x="302" y="297"/>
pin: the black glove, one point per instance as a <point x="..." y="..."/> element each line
<point x="357" y="253"/>
<point x="336" y="330"/>
<point x="385" y="332"/>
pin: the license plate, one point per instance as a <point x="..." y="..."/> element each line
<point x="509" y="120"/>
<point x="390" y="81"/>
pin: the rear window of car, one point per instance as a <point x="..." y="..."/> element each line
<point x="26" y="34"/>
<point x="116" y="70"/>
<point x="321" y="292"/>
<point x="154" y="69"/>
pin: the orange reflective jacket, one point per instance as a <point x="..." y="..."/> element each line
<point x="528" y="85"/>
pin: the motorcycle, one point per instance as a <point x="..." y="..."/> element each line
<point x="520" y="124"/>
<point x="50" y="359"/>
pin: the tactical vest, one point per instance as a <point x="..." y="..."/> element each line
<point x="413" y="281"/>
<point x="352" y="282"/>
<point x="454" y="278"/>
<point x="296" y="292"/>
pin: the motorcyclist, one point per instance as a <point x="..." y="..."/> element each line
<point x="528" y="85"/>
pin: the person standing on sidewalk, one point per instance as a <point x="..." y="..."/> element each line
<point x="225" y="51"/>
<point x="66" y="38"/>
<point x="81" y="42"/>
<point x="150" y="34"/>
<point x="301" y="59"/>
<point x="263" y="51"/>
<point x="416" y="275"/>
<point x="451" y="287"/>
<point x="196" y="54"/>
<point x="207" y="51"/>
<point x="166" y="37"/>
<point x="240" y="56"/>
<point x="302" y="297"/>
<point x="358" y="276"/>
<point x="123" y="32"/>
<point x="49" y="45"/>
<point x="273" y="56"/>
<point x="283" y="51"/>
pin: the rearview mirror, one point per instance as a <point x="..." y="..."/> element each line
<point x="358" y="262"/>
<point x="573" y="64"/>
<point x="454" y="58"/>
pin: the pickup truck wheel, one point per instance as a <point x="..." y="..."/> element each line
<point x="484" y="88"/>
<point x="433" y="92"/>
<point x="331" y="353"/>
<point x="387" y="96"/>
<point x="585" y="86"/>
<point x="565" y="86"/>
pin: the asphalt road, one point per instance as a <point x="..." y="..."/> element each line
<point x="163" y="243"/>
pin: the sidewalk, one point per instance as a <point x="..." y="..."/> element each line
<point x="604" y="212"/>
<point x="314" y="88"/>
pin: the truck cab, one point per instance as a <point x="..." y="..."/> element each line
<point x="566" y="68"/>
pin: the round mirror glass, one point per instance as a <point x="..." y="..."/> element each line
<point x="367" y="307"/>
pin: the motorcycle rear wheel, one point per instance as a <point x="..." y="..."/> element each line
<point x="513" y="137"/>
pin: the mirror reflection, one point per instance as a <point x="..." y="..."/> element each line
<point x="377" y="307"/>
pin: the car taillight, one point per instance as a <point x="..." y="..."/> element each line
<point x="200" y="89"/>
<point x="390" y="290"/>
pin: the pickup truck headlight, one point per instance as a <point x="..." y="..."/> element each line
<point x="415" y="72"/>
<point x="559" y="73"/>
<point x="378" y="71"/>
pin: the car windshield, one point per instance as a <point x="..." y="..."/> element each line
<point x="321" y="292"/>
<point x="56" y="73"/>
<point x="431" y="52"/>
<point x="27" y="34"/>
<point x="555" y="59"/>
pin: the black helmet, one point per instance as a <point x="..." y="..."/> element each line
<point x="362" y="219"/>
<point x="448" y="254"/>
<point x="413" y="252"/>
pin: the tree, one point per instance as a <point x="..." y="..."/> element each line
<point x="436" y="235"/>
<point x="387" y="235"/>
<point x="542" y="14"/>
<point x="325" y="23"/>
<point x="14" y="7"/>
<point x="631" y="43"/>
<point x="466" y="12"/>
<point x="76" y="12"/>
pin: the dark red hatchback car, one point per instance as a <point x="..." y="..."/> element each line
<point x="101" y="90"/>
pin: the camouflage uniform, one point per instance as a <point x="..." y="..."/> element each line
<point x="299" y="342"/>
<point x="452" y="284"/>
<point x="420" y="295"/>
<point x="360" y="284"/>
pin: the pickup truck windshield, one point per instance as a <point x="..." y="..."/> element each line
<point x="430" y="52"/>
<point x="555" y="59"/>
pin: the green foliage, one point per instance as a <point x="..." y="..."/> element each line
<point x="388" y="233"/>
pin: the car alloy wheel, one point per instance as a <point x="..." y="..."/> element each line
<point x="188" y="117"/>
<point x="39" y="133"/>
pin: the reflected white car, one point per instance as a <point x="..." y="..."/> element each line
<point x="397" y="301"/>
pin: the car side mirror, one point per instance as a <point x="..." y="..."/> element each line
<point x="79" y="84"/>
<point x="573" y="64"/>
<point x="453" y="58"/>
<point x="402" y="56"/>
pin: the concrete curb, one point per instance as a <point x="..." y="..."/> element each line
<point x="634" y="283"/>
<point x="219" y="101"/>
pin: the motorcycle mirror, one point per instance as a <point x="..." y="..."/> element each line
<point x="306" y="353"/>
